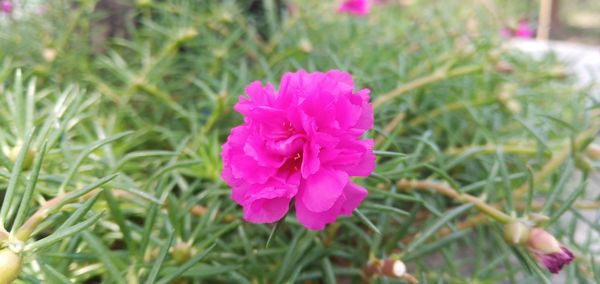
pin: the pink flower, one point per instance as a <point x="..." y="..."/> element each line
<point x="524" y="30"/>
<point x="302" y="142"/>
<point x="6" y="6"/>
<point x="355" y="7"/>
<point x="548" y="250"/>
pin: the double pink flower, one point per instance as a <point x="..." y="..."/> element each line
<point x="300" y="143"/>
<point x="355" y="7"/>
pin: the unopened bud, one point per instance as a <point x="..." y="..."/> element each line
<point x="504" y="67"/>
<point x="199" y="210"/>
<point x="14" y="154"/>
<point x="144" y="3"/>
<point x="229" y="218"/>
<point x="305" y="45"/>
<point x="513" y="106"/>
<point x="389" y="267"/>
<point x="394" y="268"/>
<point x="543" y="241"/>
<point x="548" y="251"/>
<point x="593" y="151"/>
<point x="10" y="266"/>
<point x="49" y="54"/>
<point x="181" y="252"/>
<point x="516" y="232"/>
<point x="583" y="164"/>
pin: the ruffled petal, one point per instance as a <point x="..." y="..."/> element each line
<point x="266" y="210"/>
<point x="354" y="195"/>
<point x="310" y="159"/>
<point x="317" y="220"/>
<point x="321" y="190"/>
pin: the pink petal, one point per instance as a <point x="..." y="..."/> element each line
<point x="310" y="159"/>
<point x="256" y="148"/>
<point x="365" y="121"/>
<point x="244" y="167"/>
<point x="365" y="166"/>
<point x="555" y="262"/>
<point x="266" y="210"/>
<point x="321" y="190"/>
<point x="317" y="220"/>
<point x="354" y="196"/>
<point x="265" y="203"/>
<point x="260" y="95"/>
<point x="347" y="113"/>
<point x="341" y="77"/>
<point x="286" y="147"/>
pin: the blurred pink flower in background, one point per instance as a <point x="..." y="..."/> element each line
<point x="355" y="7"/>
<point x="548" y="250"/>
<point x="524" y="30"/>
<point x="302" y="142"/>
<point x="6" y="6"/>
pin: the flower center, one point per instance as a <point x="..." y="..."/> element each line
<point x="289" y="128"/>
<point x="297" y="161"/>
<point x="292" y="164"/>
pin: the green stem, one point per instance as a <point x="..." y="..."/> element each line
<point x="492" y="148"/>
<point x="580" y="141"/>
<point x="444" y="189"/>
<point x="437" y="76"/>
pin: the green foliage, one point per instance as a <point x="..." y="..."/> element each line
<point x="124" y="135"/>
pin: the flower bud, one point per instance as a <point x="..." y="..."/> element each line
<point x="181" y="252"/>
<point x="305" y="45"/>
<point x="583" y="164"/>
<point x="144" y="3"/>
<point x="593" y="151"/>
<point x="548" y="251"/>
<point x="14" y="154"/>
<point x="389" y="267"/>
<point x="393" y="268"/>
<point x="229" y="218"/>
<point x="513" y="106"/>
<point x="516" y="233"/>
<point x="49" y="54"/>
<point x="543" y="241"/>
<point x="199" y="210"/>
<point x="10" y="266"/>
<point x="504" y="67"/>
